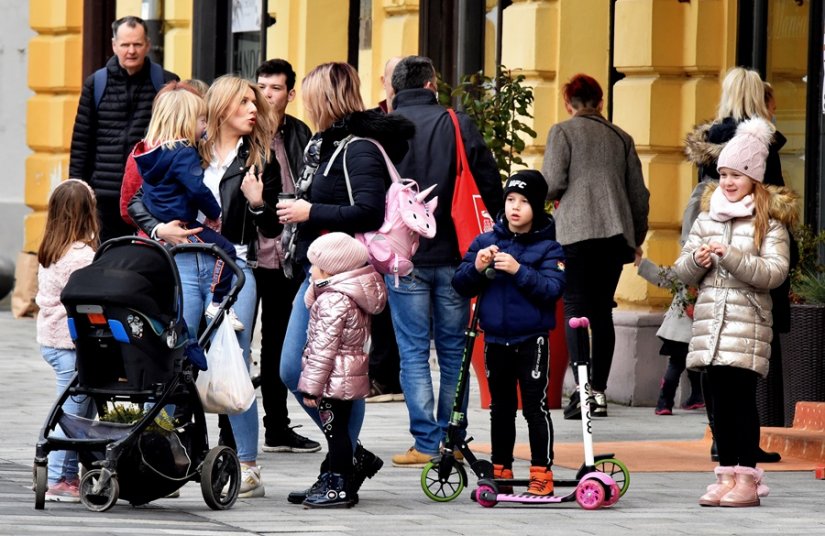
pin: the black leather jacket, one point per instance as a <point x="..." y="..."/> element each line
<point x="296" y="137"/>
<point x="239" y="224"/>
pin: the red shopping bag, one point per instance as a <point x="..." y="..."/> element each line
<point x="470" y="216"/>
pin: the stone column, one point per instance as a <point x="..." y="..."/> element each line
<point x="549" y="41"/>
<point x="177" y="37"/>
<point x="55" y="66"/>
<point x="307" y="34"/>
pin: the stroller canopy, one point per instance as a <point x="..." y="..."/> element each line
<point x="134" y="275"/>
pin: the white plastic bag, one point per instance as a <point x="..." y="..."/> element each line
<point x="225" y="387"/>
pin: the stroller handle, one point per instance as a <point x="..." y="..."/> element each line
<point x="231" y="296"/>
<point x="212" y="249"/>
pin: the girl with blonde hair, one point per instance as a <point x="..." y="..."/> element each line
<point x="173" y="187"/>
<point x="243" y="177"/>
<point x="742" y="98"/>
<point x="69" y="243"/>
<point x="737" y="251"/>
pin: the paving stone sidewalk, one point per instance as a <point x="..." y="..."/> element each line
<point x="392" y="503"/>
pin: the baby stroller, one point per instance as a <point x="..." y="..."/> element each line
<point x="125" y="316"/>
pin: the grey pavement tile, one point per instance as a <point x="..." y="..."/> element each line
<point x="392" y="502"/>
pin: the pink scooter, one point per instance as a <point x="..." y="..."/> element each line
<point x="594" y="489"/>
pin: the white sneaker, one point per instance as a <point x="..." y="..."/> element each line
<point x="251" y="483"/>
<point x="213" y="309"/>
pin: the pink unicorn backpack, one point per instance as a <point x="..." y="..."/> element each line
<point x="407" y="217"/>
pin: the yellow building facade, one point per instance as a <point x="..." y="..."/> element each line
<point x="672" y="54"/>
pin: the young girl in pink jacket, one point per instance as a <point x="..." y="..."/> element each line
<point x="69" y="243"/>
<point x="343" y="295"/>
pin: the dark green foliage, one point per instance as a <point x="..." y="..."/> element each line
<point x="497" y="107"/>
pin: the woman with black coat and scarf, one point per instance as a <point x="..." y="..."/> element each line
<point x="333" y="102"/>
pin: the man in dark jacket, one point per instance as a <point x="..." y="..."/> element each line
<point x="105" y="131"/>
<point x="425" y="302"/>
<point x="276" y="78"/>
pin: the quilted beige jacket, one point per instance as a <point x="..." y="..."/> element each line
<point x="335" y="361"/>
<point x="732" y="318"/>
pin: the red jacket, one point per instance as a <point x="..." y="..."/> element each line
<point x="132" y="181"/>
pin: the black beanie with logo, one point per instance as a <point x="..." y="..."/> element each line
<point x="531" y="184"/>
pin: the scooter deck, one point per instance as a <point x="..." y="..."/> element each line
<point x="524" y="498"/>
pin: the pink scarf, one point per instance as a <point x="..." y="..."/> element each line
<point x="723" y="210"/>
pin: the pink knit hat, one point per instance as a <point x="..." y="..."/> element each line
<point x="336" y="253"/>
<point x="747" y="151"/>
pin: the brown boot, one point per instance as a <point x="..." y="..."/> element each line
<point x="503" y="473"/>
<point x="745" y="492"/>
<point x="541" y="481"/>
<point x="725" y="481"/>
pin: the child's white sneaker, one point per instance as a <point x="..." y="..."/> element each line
<point x="213" y="309"/>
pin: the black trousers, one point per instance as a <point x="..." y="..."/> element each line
<point x="673" y="374"/>
<point x="276" y="293"/>
<point x="592" y="272"/>
<point x="335" y="415"/>
<point x="111" y="224"/>
<point x="522" y="366"/>
<point x="385" y="362"/>
<point x="732" y="393"/>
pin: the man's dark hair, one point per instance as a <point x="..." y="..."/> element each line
<point x="130" y="21"/>
<point x="277" y="66"/>
<point x="412" y="73"/>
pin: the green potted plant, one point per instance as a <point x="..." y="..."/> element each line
<point x="803" y="347"/>
<point x="498" y="106"/>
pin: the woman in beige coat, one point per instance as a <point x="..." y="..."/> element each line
<point x="738" y="249"/>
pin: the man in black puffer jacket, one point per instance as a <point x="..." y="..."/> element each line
<point x="425" y="302"/>
<point x="105" y="131"/>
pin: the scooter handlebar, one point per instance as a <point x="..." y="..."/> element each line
<point x="579" y="322"/>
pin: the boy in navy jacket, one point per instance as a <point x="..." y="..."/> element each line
<point x="518" y="269"/>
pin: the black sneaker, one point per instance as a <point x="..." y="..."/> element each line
<point x="289" y="441"/>
<point x="573" y="410"/>
<point x="381" y="393"/>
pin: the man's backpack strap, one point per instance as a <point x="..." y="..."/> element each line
<point x="99" y="85"/>
<point x="101" y="76"/>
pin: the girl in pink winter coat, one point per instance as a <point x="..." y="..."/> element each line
<point x="344" y="293"/>
<point x="69" y="243"/>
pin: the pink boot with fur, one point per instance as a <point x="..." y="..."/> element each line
<point x="725" y="481"/>
<point x="746" y="491"/>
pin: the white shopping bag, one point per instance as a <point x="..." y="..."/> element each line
<point x="225" y="387"/>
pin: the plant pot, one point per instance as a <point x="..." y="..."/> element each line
<point x="803" y="349"/>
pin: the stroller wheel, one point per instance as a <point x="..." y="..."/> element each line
<point x="443" y="484"/>
<point x="98" y="490"/>
<point x="220" y="478"/>
<point x="40" y="485"/>
<point x="616" y="470"/>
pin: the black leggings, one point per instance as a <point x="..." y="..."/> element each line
<point x="523" y="365"/>
<point x="592" y="274"/>
<point x="732" y="392"/>
<point x="335" y="415"/>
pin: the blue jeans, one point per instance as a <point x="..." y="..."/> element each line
<point x="63" y="463"/>
<point x="291" y="361"/>
<point x="196" y="271"/>
<point x="425" y="302"/>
